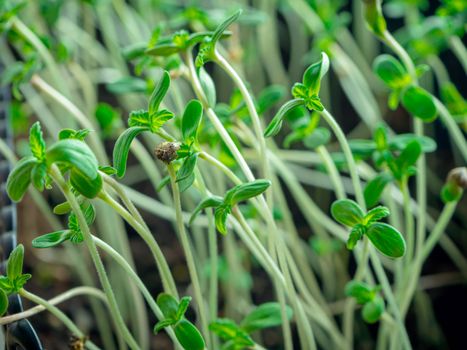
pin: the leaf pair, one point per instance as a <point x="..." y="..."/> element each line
<point x="384" y="237"/>
<point x="373" y="303"/>
<point x="174" y="316"/>
<point x="73" y="234"/>
<point x="223" y="206"/>
<point x="14" y="279"/>
<point x="305" y="94"/>
<point x="416" y="100"/>
<point x="237" y="337"/>
<point x="139" y="121"/>
<point x="69" y="154"/>
<point x="400" y="169"/>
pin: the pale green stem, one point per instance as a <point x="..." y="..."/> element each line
<point x="188" y="253"/>
<point x="162" y="265"/>
<point x="332" y="171"/>
<point x="72" y="293"/>
<point x="459" y="50"/>
<point x="120" y="260"/>
<point x="409" y="221"/>
<point x="58" y="178"/>
<point x="348" y="156"/>
<point x="60" y="315"/>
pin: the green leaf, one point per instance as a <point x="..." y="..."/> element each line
<point x="313" y="75"/>
<point x="36" y="142"/>
<point x="182" y="307"/>
<point x="39" y="176"/>
<point x="163" y="50"/>
<point x="376" y="214"/>
<point x="187" y="167"/>
<point x="3" y="302"/>
<point x="373" y="310"/>
<point x="89" y="188"/>
<point x="168" y="305"/>
<point x="163" y="324"/>
<point x="14" y="267"/>
<point x="391" y="71"/>
<point x="264" y="316"/>
<point x="108" y="170"/>
<point x="361" y="291"/>
<point x="122" y="147"/>
<point x="269" y="97"/>
<point x="210" y="202"/>
<point x="191" y="120"/>
<point x="73" y="134"/>
<point x="76" y="154"/>
<point x="186" y="183"/>
<point x="276" y="123"/>
<point x="189" y="336"/>
<point x="139" y="117"/>
<point x="409" y="155"/>
<point x="159" y="92"/>
<point x="356" y="234"/>
<point x="399" y="142"/>
<point x="224" y="25"/>
<point x="51" y="239"/>
<point x="347" y="212"/>
<point x="246" y="191"/>
<point x="159" y="118"/>
<point x="419" y="103"/>
<point x="220" y="214"/>
<point x="19" y="178"/>
<point x="320" y="136"/>
<point x="386" y="239"/>
<point x="228" y="330"/>
<point x="362" y="148"/>
<point x="375" y="187"/>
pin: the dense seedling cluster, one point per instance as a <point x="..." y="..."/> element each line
<point x="244" y="172"/>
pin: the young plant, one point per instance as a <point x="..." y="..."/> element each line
<point x="174" y="316"/>
<point x="238" y="336"/>
<point x="384" y="237"/>
<point x="373" y="303"/>
<point x="15" y="279"/>
<point x="223" y="206"/>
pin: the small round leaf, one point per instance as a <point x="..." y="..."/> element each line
<point x="387" y="239"/>
<point x="347" y="212"/>
<point x="419" y="103"/>
<point x="189" y="336"/>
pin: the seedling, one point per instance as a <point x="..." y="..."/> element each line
<point x="384" y="237"/>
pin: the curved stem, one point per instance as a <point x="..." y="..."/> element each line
<point x="162" y="265"/>
<point x="60" y="315"/>
<point x="74" y="292"/>
<point x="188" y="253"/>
<point x="70" y="197"/>
<point x="120" y="260"/>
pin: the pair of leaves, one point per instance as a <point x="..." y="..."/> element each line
<point x="384" y="237"/>
<point x="140" y="121"/>
<point x="14" y="279"/>
<point x="69" y="154"/>
<point x="416" y="100"/>
<point x="305" y="94"/>
<point x="73" y="233"/>
<point x="373" y="303"/>
<point x="237" y="337"/>
<point x="174" y="316"/>
<point x="223" y="206"/>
